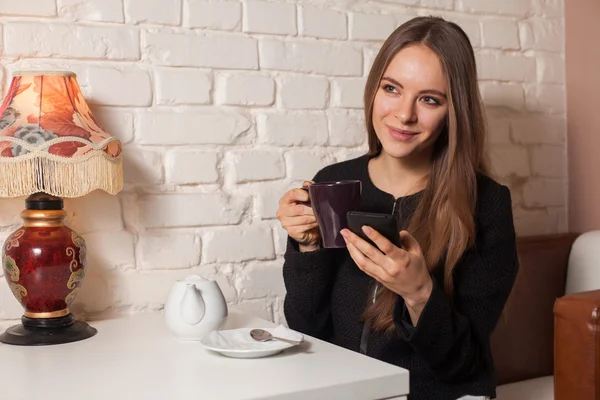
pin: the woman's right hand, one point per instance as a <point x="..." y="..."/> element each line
<point x="299" y="220"/>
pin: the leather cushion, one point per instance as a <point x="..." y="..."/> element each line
<point x="522" y="344"/>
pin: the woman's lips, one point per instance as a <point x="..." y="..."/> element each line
<point x="401" y="135"/>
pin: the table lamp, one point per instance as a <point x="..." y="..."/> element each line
<point x="51" y="147"/>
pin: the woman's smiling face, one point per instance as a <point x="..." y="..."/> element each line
<point x="411" y="106"/>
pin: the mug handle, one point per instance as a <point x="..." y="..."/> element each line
<point x="305" y="203"/>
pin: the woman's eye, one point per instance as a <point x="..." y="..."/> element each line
<point x="430" y="100"/>
<point x="389" y="88"/>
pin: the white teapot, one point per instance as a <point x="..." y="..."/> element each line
<point x="195" y="307"/>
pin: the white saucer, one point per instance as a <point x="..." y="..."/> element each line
<point x="238" y="343"/>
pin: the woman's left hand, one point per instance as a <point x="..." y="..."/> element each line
<point x="402" y="270"/>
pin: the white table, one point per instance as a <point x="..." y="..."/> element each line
<point x="136" y="357"/>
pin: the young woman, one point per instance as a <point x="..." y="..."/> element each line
<point x="431" y="305"/>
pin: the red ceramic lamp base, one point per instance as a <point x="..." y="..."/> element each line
<point x="44" y="266"/>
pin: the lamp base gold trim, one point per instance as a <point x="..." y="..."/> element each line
<point x="53" y="314"/>
<point x="47" y="331"/>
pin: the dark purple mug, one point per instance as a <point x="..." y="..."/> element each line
<point x="331" y="201"/>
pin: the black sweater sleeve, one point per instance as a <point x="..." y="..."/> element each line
<point x="308" y="278"/>
<point x="453" y="335"/>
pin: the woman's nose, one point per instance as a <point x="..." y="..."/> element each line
<point x="405" y="112"/>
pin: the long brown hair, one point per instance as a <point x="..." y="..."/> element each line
<point x="443" y="222"/>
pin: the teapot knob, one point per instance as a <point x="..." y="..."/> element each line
<point x="192" y="307"/>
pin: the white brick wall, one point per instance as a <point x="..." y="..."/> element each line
<point x="91" y="10"/>
<point x="225" y="104"/>
<point x="246" y="89"/>
<point x="164" y="12"/>
<point x="213" y="14"/>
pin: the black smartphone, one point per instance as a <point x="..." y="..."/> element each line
<point x="385" y="224"/>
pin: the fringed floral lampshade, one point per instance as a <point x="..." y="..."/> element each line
<point x="51" y="146"/>
<point x="51" y="142"/>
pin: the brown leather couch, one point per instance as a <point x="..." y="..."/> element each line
<point x="546" y="345"/>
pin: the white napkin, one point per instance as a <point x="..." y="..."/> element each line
<point x="240" y="339"/>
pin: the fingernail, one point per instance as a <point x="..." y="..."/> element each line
<point x="344" y="233"/>
<point x="367" y="230"/>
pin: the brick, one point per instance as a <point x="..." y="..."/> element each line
<point x="322" y="23"/>
<point x="469" y="24"/>
<point x="260" y="279"/>
<point x="369" y="55"/>
<point x="120" y="86"/>
<point x="550" y="68"/>
<point x="168" y="250"/>
<point x="116" y="121"/>
<point x="189" y="210"/>
<point x="36" y="8"/>
<point x="260" y="308"/>
<point x="550" y="8"/>
<point x="32" y="39"/>
<point x="97" y="211"/>
<point x="280" y="235"/>
<point x="10" y="308"/>
<point x="219" y="14"/>
<point x="167" y="12"/>
<point x="3" y="236"/>
<point x="498" y="127"/>
<point x="348" y="92"/>
<point x="148" y="288"/>
<point x="237" y="244"/>
<point x="549" y="161"/>
<point x="538" y="129"/>
<point x="257" y="165"/>
<point x="299" y="129"/>
<point x="175" y="86"/>
<point x="188" y="167"/>
<point x="561" y="216"/>
<point x="141" y="166"/>
<point x="533" y="222"/>
<point x="510" y="160"/>
<point x="187" y="127"/>
<point x="311" y="56"/>
<point x="10" y="209"/>
<point x="519" y="8"/>
<point x="350" y="154"/>
<point x="404" y="15"/>
<point x="442" y="4"/>
<point x="110" y="250"/>
<point x="370" y="26"/>
<point x="406" y="2"/>
<point x="303" y="92"/>
<point x="249" y="89"/>
<point x="303" y="165"/>
<point x="91" y="10"/>
<point x="500" y="33"/>
<point x="505" y="67"/>
<point x="173" y="49"/>
<point x="546" y="98"/>
<point x="508" y="95"/>
<point x="543" y="34"/>
<point x="267" y="17"/>
<point x="269" y="194"/>
<point x="278" y="312"/>
<point x="543" y="192"/>
<point x="346" y="128"/>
